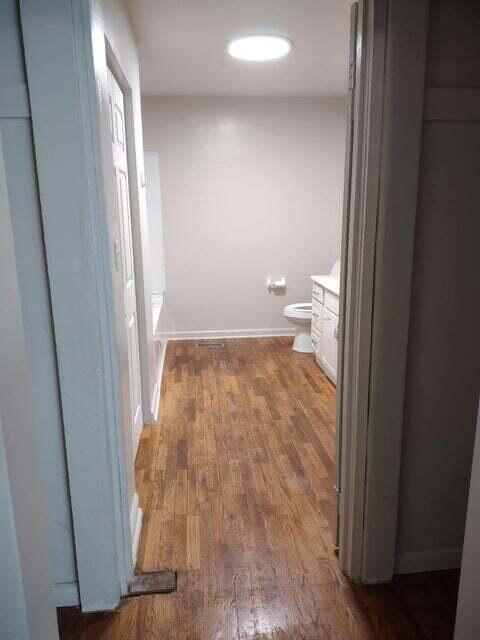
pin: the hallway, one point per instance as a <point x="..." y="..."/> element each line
<point x="236" y="485"/>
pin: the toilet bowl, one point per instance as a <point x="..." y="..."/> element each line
<point x="300" y="315"/>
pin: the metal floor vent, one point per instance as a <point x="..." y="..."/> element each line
<point x="210" y="345"/>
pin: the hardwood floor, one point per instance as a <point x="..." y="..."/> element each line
<point x="236" y="486"/>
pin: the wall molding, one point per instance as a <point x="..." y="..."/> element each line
<point x="434" y="560"/>
<point x="157" y="308"/>
<point x="136" y="521"/>
<point x="155" y="409"/>
<point x="228" y="333"/>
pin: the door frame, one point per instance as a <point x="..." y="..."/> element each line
<point x="27" y="609"/>
<point x="358" y="280"/>
<point x="374" y="333"/>
<point x="66" y="133"/>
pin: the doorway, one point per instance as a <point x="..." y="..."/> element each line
<point x="180" y="454"/>
<point x="72" y="452"/>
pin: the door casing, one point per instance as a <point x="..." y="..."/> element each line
<point x="74" y="201"/>
<point x="376" y="282"/>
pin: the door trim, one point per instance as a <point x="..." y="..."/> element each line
<point x="405" y="66"/>
<point x="27" y="609"/>
<point x="359" y="280"/>
<point x="69" y="164"/>
<point x="347" y="192"/>
<point x="382" y="227"/>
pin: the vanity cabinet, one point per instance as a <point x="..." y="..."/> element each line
<point x="327" y="355"/>
<point x="325" y="306"/>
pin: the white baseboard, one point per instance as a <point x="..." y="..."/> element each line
<point x="428" y="561"/>
<point x="157" y="307"/>
<point x="158" y="385"/>
<point x="155" y="403"/>
<point x="136" y="518"/>
<point x="228" y="333"/>
<point x="65" y="594"/>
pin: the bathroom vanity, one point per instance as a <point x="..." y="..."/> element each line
<point x="325" y="309"/>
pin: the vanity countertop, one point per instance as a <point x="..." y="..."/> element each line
<point x="331" y="283"/>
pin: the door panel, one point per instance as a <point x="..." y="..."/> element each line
<point x="126" y="231"/>
<point x="124" y="260"/>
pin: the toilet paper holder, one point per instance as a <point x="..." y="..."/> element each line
<point x="276" y="285"/>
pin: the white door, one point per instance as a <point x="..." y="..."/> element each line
<point x="123" y="254"/>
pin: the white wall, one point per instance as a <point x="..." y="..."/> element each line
<point x="251" y="188"/>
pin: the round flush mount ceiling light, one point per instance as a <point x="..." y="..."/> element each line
<point x="259" y="48"/>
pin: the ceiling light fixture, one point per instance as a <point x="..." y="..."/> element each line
<point x="259" y="48"/>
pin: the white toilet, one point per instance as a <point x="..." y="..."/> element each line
<point x="300" y="315"/>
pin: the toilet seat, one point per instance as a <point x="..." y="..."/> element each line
<point x="301" y="310"/>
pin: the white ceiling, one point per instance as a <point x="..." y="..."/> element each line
<point x="182" y="47"/>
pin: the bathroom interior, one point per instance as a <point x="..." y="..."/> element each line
<point x="244" y="172"/>
<point x="244" y="198"/>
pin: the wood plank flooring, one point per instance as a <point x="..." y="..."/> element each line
<point x="236" y="485"/>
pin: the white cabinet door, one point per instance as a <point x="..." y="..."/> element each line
<point x="328" y="350"/>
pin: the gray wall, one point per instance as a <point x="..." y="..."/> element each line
<point x="251" y="188"/>
<point x="443" y="369"/>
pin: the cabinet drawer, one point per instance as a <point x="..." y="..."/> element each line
<point x="331" y="302"/>
<point x="317" y="292"/>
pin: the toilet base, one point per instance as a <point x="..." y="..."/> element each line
<point x="302" y="343"/>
